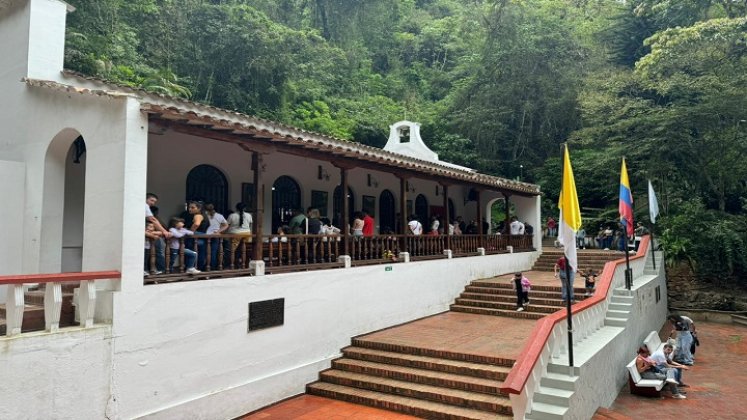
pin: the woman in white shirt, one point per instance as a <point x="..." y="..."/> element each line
<point x="415" y="227"/>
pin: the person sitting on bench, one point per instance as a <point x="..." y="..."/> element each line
<point x="663" y="359"/>
<point x="649" y="370"/>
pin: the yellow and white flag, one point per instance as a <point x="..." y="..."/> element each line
<point x="570" y="212"/>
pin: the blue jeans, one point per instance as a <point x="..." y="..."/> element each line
<point x="214" y="245"/>
<point x="682" y="354"/>
<point x="201" y="250"/>
<point x="564" y="292"/>
<point x="189" y="258"/>
<point x="160" y="246"/>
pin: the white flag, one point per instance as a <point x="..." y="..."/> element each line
<point x="653" y="205"/>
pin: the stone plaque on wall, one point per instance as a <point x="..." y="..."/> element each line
<point x="266" y="314"/>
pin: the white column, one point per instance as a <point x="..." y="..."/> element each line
<point x="116" y="169"/>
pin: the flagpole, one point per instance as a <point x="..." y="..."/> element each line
<point x="628" y="270"/>
<point x="625" y="221"/>
<point x="651" y="245"/>
<point x="569" y="291"/>
<point x="569" y="313"/>
<point x="653" y="210"/>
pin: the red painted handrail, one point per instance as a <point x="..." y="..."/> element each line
<point x="531" y="352"/>
<point x="59" y="277"/>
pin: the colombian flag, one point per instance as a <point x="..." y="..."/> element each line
<point x="626" y="201"/>
<point x="570" y="212"/>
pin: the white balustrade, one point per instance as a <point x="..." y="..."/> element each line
<point x="14" y="306"/>
<point x="52" y="306"/>
<point x="87" y="303"/>
<point x="585" y="323"/>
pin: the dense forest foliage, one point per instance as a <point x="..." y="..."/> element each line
<point x="498" y="85"/>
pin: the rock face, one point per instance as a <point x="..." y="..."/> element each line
<point x="687" y="292"/>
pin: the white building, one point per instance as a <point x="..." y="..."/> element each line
<point x="77" y="156"/>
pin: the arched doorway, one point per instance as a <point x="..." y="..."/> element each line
<point x="421" y="209"/>
<point x="337" y="206"/>
<point x="286" y="197"/>
<point x="61" y="244"/>
<point x="207" y="183"/>
<point x="387" y="220"/>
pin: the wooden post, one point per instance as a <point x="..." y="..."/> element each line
<point x="481" y="241"/>
<point x="447" y="215"/>
<point x="507" y="222"/>
<point x="259" y="205"/>
<point x="403" y="210"/>
<point x="345" y="211"/>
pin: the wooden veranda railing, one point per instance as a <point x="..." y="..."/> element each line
<point x="231" y="254"/>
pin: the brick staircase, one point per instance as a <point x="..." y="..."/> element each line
<point x="422" y="382"/>
<point x="593" y="258"/>
<point x="491" y="297"/>
<point x="33" y="314"/>
<point x="438" y="384"/>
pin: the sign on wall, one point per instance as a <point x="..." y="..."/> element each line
<point x="266" y="314"/>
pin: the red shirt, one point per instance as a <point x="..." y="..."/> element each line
<point x="368" y="225"/>
<point x="561" y="263"/>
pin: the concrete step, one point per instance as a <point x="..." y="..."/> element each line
<point x="560" y="381"/>
<point x="554" y="396"/>
<point x="626" y="300"/>
<point x="477" y="370"/>
<point x="542" y="411"/>
<point x="563" y="369"/>
<point x="419" y="376"/>
<point x="620" y="307"/>
<point x="528" y="314"/>
<point x="401" y="404"/>
<point x="614" y="313"/>
<point x="615" y="322"/>
<point x="739" y="319"/>
<point x="448" y="396"/>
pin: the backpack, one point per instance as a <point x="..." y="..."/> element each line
<point x="526" y="285"/>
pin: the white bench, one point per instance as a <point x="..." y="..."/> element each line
<point x="640" y="386"/>
<point x="653" y="342"/>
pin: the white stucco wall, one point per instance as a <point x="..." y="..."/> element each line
<point x="182" y="350"/>
<point x="604" y="375"/>
<point x="64" y="375"/>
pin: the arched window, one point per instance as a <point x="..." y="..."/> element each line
<point x="421" y="209"/>
<point x="207" y="183"/>
<point x="387" y="220"/>
<point x="286" y="197"/>
<point x="337" y="206"/>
